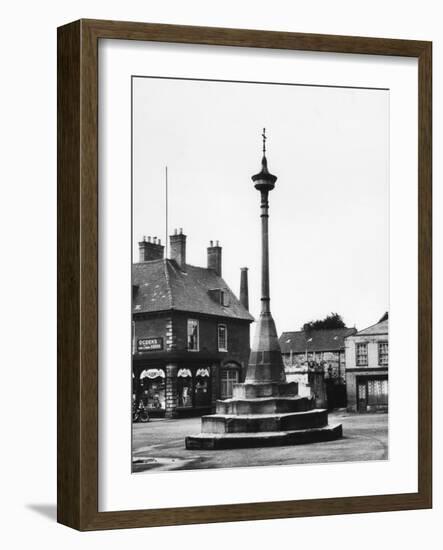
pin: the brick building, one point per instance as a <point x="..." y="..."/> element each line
<point x="190" y="332"/>
<point x="367" y="361"/>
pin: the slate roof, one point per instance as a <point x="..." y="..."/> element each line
<point x="315" y="340"/>
<point x="161" y="285"/>
<point x="382" y="327"/>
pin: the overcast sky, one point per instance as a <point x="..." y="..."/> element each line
<point x="329" y="148"/>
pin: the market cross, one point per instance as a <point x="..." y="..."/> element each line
<point x="265" y="410"/>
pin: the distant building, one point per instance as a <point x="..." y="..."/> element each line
<point x="367" y="361"/>
<point x="190" y="332"/>
<point x="325" y="346"/>
<point x="316" y="359"/>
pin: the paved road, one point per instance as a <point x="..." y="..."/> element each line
<point x="160" y="445"/>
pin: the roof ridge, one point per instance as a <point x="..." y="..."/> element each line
<point x="316" y="330"/>
<point x="164" y="286"/>
<point x="374" y="325"/>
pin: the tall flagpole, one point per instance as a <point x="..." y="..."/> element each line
<point x="166" y="208"/>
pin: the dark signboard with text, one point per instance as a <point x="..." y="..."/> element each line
<point x="150" y="344"/>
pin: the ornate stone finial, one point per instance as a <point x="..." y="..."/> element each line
<point x="264" y="179"/>
<point x="264" y="141"/>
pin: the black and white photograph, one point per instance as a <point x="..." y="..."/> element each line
<point x="221" y="220"/>
<point x="260" y="274"/>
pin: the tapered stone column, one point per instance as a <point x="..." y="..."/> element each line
<point x="265" y="361"/>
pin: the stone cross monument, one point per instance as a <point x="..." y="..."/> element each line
<point x="265" y="362"/>
<point x="264" y="410"/>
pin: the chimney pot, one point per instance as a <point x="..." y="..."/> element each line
<point x="150" y="250"/>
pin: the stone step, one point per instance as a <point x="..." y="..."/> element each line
<point x="265" y="405"/>
<point x="225" y="423"/>
<point x="248" y="390"/>
<point x="214" y="441"/>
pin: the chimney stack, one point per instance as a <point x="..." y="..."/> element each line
<point x="178" y="248"/>
<point x="215" y="257"/>
<point x="244" y="291"/>
<point x="150" y="249"/>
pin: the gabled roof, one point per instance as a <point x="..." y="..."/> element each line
<point x="315" y="340"/>
<point x="161" y="285"/>
<point x="382" y="327"/>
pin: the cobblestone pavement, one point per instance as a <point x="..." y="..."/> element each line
<point x="160" y="445"/>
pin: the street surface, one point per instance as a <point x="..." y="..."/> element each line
<point x="160" y="445"/>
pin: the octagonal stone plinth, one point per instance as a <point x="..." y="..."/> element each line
<point x="265" y="439"/>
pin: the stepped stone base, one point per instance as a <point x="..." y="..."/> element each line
<point x="221" y="423"/>
<point x="265" y="405"/>
<point x="264" y="414"/>
<point x="215" y="441"/>
<point x="264" y="389"/>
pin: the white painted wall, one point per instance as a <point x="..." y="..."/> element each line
<point x="28" y="332"/>
<point x="371" y="341"/>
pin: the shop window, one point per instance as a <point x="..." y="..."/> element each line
<point x="193" y="335"/>
<point x="153" y="390"/>
<point x="229" y="377"/>
<point x="222" y="338"/>
<point x="362" y="354"/>
<point x="184" y="388"/>
<point x="383" y="353"/>
<point x="377" y="394"/>
<point x="202" y="390"/>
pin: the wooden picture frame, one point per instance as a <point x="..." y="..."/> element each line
<point x="78" y="274"/>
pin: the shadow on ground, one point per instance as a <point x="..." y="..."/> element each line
<point x="49" y="511"/>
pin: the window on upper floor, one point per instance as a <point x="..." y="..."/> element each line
<point x="383" y="353"/>
<point x="222" y="338"/>
<point x="361" y="355"/>
<point x="193" y="336"/>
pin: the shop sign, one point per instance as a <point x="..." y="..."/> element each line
<point x="150" y="344"/>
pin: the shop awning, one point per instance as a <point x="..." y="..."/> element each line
<point x="152" y="373"/>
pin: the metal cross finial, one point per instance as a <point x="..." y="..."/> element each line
<point x="264" y="140"/>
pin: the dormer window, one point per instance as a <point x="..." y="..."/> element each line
<point x="220" y="296"/>
<point x="224" y="298"/>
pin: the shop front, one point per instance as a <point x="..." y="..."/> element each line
<point x="181" y="388"/>
<point x="194" y="390"/>
<point x="372" y="394"/>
